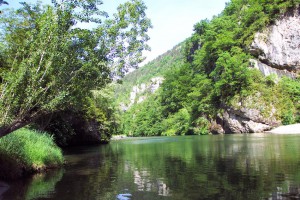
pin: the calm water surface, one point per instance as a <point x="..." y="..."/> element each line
<point x="196" y="167"/>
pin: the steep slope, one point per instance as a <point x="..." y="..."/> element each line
<point x="235" y="76"/>
<point x="137" y="85"/>
<point x="276" y="52"/>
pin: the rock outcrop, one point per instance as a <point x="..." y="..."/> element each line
<point x="267" y="70"/>
<point x="245" y="121"/>
<point x="278" y="46"/>
<point x="277" y="51"/>
<point x="242" y="120"/>
<point x="139" y="92"/>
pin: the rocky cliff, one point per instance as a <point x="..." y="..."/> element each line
<point x="139" y="92"/>
<point x="277" y="47"/>
<point x="277" y="51"/>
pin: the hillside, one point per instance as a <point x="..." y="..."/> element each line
<point x="239" y="73"/>
<point x="170" y="60"/>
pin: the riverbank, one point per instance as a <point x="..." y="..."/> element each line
<point x="27" y="151"/>
<point x="289" y="129"/>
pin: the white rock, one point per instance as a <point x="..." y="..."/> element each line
<point x="279" y="45"/>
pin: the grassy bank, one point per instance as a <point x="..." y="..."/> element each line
<point x="27" y="151"/>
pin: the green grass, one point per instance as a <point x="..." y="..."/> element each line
<point x="26" y="150"/>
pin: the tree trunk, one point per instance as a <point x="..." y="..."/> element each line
<point x="24" y="121"/>
<point x="5" y="130"/>
<point x="19" y="123"/>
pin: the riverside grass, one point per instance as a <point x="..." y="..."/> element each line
<point x="25" y="151"/>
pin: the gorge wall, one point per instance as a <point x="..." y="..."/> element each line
<point x="277" y="48"/>
<point x="277" y="51"/>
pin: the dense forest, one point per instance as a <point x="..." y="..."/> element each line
<point x="213" y="75"/>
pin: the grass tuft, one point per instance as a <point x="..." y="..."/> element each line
<point x="28" y="150"/>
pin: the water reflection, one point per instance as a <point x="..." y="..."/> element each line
<point x="208" y="167"/>
<point x="38" y="186"/>
<point x="144" y="183"/>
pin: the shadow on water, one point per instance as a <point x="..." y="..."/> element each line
<point x="207" y="167"/>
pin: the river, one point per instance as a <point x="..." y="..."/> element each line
<point x="258" y="166"/>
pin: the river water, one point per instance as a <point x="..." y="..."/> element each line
<point x="258" y="166"/>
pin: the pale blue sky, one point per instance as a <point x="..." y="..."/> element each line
<point x="172" y="20"/>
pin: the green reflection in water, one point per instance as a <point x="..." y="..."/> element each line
<point x="38" y="186"/>
<point x="196" y="167"/>
<point x="43" y="184"/>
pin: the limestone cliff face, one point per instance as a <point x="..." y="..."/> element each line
<point x="139" y="92"/>
<point x="277" y="47"/>
<point x="277" y="51"/>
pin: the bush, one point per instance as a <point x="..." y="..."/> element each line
<point x="291" y="90"/>
<point x="177" y="124"/>
<point x="202" y="126"/>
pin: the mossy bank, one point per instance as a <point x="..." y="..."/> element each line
<point x="27" y="151"/>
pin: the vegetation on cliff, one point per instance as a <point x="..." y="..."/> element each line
<point x="169" y="61"/>
<point x="217" y="76"/>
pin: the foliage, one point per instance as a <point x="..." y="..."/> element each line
<point x="52" y="65"/>
<point x="177" y="124"/>
<point x="94" y="124"/>
<point x="148" y="119"/>
<point x="175" y="90"/>
<point x="291" y="88"/>
<point x="102" y="107"/>
<point x="31" y="150"/>
<point x="144" y="119"/>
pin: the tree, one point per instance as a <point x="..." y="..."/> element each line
<point x="53" y="65"/>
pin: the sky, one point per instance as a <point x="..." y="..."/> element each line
<point x="172" y="20"/>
